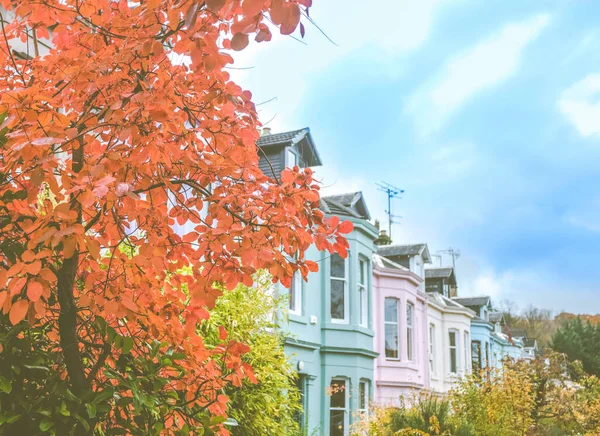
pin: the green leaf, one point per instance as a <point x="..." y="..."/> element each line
<point x="5" y="385"/>
<point x="46" y="425"/>
<point x="127" y="345"/>
<point x="91" y="410"/>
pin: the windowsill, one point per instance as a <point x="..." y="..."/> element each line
<point x="301" y="319"/>
<point x="349" y="327"/>
<point x="396" y="363"/>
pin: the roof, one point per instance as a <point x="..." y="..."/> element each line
<point x="516" y="332"/>
<point x="351" y="204"/>
<point x="529" y="343"/>
<point x="405" y="250"/>
<point x="473" y="301"/>
<point x="282" y="138"/>
<point x="302" y="137"/>
<point x="448" y="302"/>
<point x="382" y="262"/>
<point x="352" y="200"/>
<point x="496" y="317"/>
<point x="434" y="273"/>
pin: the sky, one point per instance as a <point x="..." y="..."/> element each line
<point x="487" y="114"/>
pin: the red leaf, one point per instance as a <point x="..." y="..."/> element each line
<point x="34" y="291"/>
<point x="346" y="227"/>
<point x="18" y="311"/>
<point x="334" y="221"/>
<point x="252" y="7"/>
<point x="239" y="41"/>
<point x="215" y="5"/>
<point x="222" y="333"/>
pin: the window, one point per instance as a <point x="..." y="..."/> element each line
<point x="476" y="355"/>
<point x="363" y="398"/>
<point x="410" y="309"/>
<point x="432" y="367"/>
<point x="466" y="349"/>
<point x="301" y="386"/>
<point x="445" y="290"/>
<point x="391" y="328"/>
<point x="339" y="299"/>
<point x="292" y="159"/>
<point x="363" y="297"/>
<point x="453" y="351"/>
<point x="296" y="294"/>
<point x="487" y="354"/>
<point x="338" y="408"/>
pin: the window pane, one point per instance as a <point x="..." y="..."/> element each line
<point x="338" y="266"/>
<point x="391" y="310"/>
<point x="338" y="394"/>
<point x="364" y="306"/>
<point x="362" y="394"/>
<point x="453" y="360"/>
<point x="337" y="299"/>
<point x="409" y="314"/>
<point x="409" y="346"/>
<point x="293" y="294"/>
<point x="336" y="423"/>
<point x="361" y="266"/>
<point x="453" y="339"/>
<point x="391" y="341"/>
<point x="476" y="354"/>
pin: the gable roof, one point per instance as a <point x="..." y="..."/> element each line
<point x="352" y="204"/>
<point x="449" y="303"/>
<point x="496" y="317"/>
<point x="529" y="343"/>
<point x="516" y="332"/>
<point x="435" y="273"/>
<point x="473" y="301"/>
<point x="405" y="250"/>
<point x="302" y="137"/>
<point x="382" y="262"/>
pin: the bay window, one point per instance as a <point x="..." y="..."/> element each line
<point x="391" y="328"/>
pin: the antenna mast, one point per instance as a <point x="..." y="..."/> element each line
<point x="455" y="255"/>
<point x="392" y="192"/>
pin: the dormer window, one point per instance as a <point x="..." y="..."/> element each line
<point x="292" y="159"/>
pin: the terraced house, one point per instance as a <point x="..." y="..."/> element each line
<point x="330" y="327"/>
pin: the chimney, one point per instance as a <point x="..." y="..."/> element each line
<point x="383" y="234"/>
<point x="265" y="131"/>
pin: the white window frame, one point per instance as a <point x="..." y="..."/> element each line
<point x="296" y="291"/>
<point x="363" y="395"/>
<point x="467" y="347"/>
<point x="344" y="280"/>
<point x="432" y="365"/>
<point x="346" y="403"/>
<point x="410" y="331"/>
<point x="363" y="295"/>
<point x="455" y="348"/>
<point x="396" y="323"/>
<point x="289" y="156"/>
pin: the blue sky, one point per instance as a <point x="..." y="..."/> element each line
<point x="486" y="113"/>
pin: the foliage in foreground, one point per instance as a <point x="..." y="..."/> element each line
<point x="108" y="140"/>
<point x="267" y="403"/>
<point x="549" y="396"/>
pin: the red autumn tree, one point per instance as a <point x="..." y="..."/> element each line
<point x="128" y="124"/>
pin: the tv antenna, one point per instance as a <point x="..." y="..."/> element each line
<point x="392" y="192"/>
<point x="451" y="252"/>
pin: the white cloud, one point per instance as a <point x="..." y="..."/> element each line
<point x="485" y="65"/>
<point x="283" y="67"/>
<point x="586" y="217"/>
<point x="579" y="104"/>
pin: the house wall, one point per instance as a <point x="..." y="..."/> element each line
<point x="481" y="331"/>
<point x="325" y="350"/>
<point x="441" y="379"/>
<point x="400" y="378"/>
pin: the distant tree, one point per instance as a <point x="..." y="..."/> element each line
<point x="269" y="402"/>
<point x="579" y="340"/>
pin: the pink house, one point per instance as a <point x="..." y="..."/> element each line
<point x="400" y="323"/>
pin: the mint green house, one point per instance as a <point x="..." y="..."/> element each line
<point x="330" y="325"/>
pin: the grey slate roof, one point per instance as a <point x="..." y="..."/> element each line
<point x="382" y="262"/>
<point x="400" y="250"/>
<point x="435" y="273"/>
<point x="344" y="204"/>
<point x="473" y="301"/>
<point x="516" y="332"/>
<point x="529" y="343"/>
<point x="496" y="316"/>
<point x="282" y="138"/>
